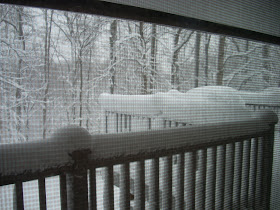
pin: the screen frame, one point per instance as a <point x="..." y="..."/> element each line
<point x="114" y="10"/>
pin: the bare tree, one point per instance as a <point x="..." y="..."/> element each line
<point x="181" y="38"/>
<point x="20" y="64"/>
<point x="175" y="66"/>
<point x="266" y="63"/>
<point x="197" y="58"/>
<point x="221" y="55"/>
<point x="144" y="57"/>
<point x="153" y="57"/>
<point x="13" y="45"/>
<point x="81" y="31"/>
<point x="113" y="39"/>
<point x="206" y="49"/>
<point x="47" y="45"/>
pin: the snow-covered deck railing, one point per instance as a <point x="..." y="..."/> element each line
<point x="275" y="108"/>
<point x="267" y="99"/>
<point x="236" y="164"/>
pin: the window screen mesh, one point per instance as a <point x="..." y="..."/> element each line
<point x="55" y="64"/>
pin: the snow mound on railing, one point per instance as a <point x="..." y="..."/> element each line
<point x="269" y="96"/>
<point x="201" y="105"/>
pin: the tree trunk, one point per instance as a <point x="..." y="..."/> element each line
<point x="113" y="38"/>
<point x="207" y="44"/>
<point x="20" y="63"/>
<point x="47" y="69"/>
<point x="197" y="50"/>
<point x="153" y="57"/>
<point x="144" y="88"/>
<point x="81" y="87"/>
<point x="221" y="56"/>
<point x="175" y="70"/>
<point x="88" y="92"/>
<point x="175" y="67"/>
<point x="266" y="66"/>
<point x="244" y="82"/>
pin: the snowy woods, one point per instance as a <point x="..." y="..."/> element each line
<point x="55" y="64"/>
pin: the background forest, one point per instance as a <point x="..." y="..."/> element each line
<point x="55" y="64"/>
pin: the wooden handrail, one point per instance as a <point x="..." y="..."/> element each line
<point x="54" y="154"/>
<point x="71" y="152"/>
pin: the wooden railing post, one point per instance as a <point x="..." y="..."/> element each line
<point x="77" y="184"/>
<point x="271" y="119"/>
<point x="76" y="140"/>
<point x="268" y="163"/>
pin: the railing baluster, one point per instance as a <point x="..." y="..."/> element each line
<point x="139" y="189"/>
<point x="117" y="122"/>
<point x="211" y="178"/>
<point x="63" y="191"/>
<point x="259" y="176"/>
<point x="125" y="121"/>
<point x="19" y="196"/>
<point x="204" y="170"/>
<point x="121" y="123"/>
<point x="229" y="175"/>
<point x="220" y="191"/>
<point x="42" y="193"/>
<point x="106" y="122"/>
<point x="253" y="173"/>
<point x="201" y="180"/>
<point x="110" y="122"/>
<point x="180" y="180"/>
<point x="149" y="123"/>
<point x="92" y="182"/>
<point x="129" y="123"/>
<point x="108" y="192"/>
<point x="237" y="175"/>
<point x="190" y="180"/>
<point x="268" y="159"/>
<point x="175" y="178"/>
<point x="154" y="184"/>
<point x="167" y="182"/>
<point x="124" y="186"/>
<point x="245" y="173"/>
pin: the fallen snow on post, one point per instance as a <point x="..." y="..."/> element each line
<point x="201" y="105"/>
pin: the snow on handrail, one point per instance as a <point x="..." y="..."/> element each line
<point x="269" y="97"/>
<point x="55" y="152"/>
<point x="201" y="105"/>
